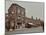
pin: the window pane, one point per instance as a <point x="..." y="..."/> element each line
<point x="18" y="10"/>
<point x="12" y="12"/>
<point x="22" y="12"/>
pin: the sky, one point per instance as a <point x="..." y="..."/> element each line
<point x="35" y="9"/>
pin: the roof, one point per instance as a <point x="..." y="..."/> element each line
<point x="18" y="5"/>
<point x="14" y="4"/>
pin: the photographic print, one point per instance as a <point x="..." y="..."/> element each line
<point x="23" y="17"/>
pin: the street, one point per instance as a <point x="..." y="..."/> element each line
<point x="27" y="30"/>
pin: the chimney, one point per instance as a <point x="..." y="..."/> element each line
<point x="39" y="18"/>
<point x="36" y="18"/>
<point x="31" y="17"/>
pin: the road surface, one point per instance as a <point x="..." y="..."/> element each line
<point x="26" y="30"/>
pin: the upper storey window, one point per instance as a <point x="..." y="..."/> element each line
<point x="12" y="12"/>
<point x="19" y="17"/>
<point x="18" y="10"/>
<point x="22" y="12"/>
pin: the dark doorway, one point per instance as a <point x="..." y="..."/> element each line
<point x="19" y="23"/>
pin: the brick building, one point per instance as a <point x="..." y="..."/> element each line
<point x="15" y="18"/>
